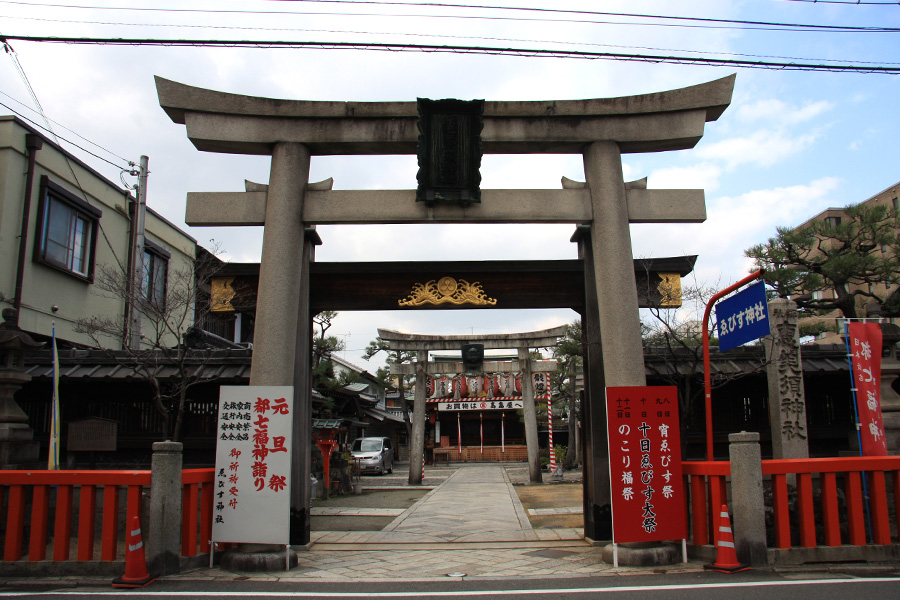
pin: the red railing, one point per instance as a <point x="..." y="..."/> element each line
<point x="42" y="483"/>
<point x="707" y="486"/>
<point x="852" y="471"/>
<point x="197" y="510"/>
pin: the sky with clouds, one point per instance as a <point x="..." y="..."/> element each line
<point x="791" y="144"/>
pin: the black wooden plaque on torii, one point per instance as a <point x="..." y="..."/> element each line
<point x="449" y="151"/>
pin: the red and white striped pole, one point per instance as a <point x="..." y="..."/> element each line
<point x="423" y="466"/>
<point x="550" y="431"/>
<point x="481" y="419"/>
<point x="458" y="435"/>
<point x="502" y="432"/>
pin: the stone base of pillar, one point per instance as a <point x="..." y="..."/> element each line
<point x="649" y="554"/>
<point x="18" y="450"/>
<point x="249" y="559"/>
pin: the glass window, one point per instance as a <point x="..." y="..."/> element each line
<point x="155" y="271"/>
<point x="67" y="231"/>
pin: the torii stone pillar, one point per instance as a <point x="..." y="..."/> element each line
<point x="619" y="318"/>
<point x="280" y="269"/>
<point x="417" y="443"/>
<point x="528" y="410"/>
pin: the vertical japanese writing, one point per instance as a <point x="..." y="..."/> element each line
<point x="252" y="464"/>
<point x="789" y="373"/>
<point x="234" y="428"/>
<point x="648" y="500"/>
<point x="865" y="340"/>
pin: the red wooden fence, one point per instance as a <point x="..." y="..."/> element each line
<point x="707" y="484"/>
<point x="42" y="483"/>
<point x="14" y="493"/>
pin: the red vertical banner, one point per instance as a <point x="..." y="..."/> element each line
<point x="865" y="358"/>
<point x="645" y="464"/>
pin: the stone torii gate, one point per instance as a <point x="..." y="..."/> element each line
<point x="422" y="344"/>
<point x="291" y="131"/>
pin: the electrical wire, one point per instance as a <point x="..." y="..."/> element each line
<point x="481" y="50"/>
<point x="569" y="11"/>
<point x="754" y="25"/>
<point x="70" y="142"/>
<point x="455" y="37"/>
<point x="58" y="124"/>
<point x="855" y="2"/>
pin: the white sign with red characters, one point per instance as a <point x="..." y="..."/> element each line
<point x="648" y="502"/>
<point x="252" y="486"/>
<point x="865" y="341"/>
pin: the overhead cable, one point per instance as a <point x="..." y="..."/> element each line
<point x="527" y="52"/>
<point x="722" y="23"/>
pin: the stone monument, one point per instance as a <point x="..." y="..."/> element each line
<point x="18" y="450"/>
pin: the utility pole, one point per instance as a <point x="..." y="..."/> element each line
<point x="136" y="259"/>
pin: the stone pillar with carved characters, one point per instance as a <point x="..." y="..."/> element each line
<point x="787" y="399"/>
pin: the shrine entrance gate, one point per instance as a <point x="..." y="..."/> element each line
<point x="602" y="284"/>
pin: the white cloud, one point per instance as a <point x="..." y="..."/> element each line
<point x="763" y="147"/>
<point x="781" y="113"/>
<point x="734" y="224"/>
<point x="702" y="176"/>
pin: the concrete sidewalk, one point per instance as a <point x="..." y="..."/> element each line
<point x="472" y="523"/>
<point x="473" y="504"/>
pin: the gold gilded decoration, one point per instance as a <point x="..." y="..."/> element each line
<point x="447" y="290"/>
<point x="221" y="294"/>
<point x="670" y="289"/>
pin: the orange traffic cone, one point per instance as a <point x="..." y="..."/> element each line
<point x="726" y="557"/>
<point x="136" y="574"/>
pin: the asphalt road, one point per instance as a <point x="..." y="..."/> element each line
<point x="752" y="585"/>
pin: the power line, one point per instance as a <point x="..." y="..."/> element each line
<point x="856" y="2"/>
<point x="753" y="25"/>
<point x="68" y="141"/>
<point x="445" y="36"/>
<point x="574" y="12"/>
<point x="483" y="50"/>
<point x="57" y="123"/>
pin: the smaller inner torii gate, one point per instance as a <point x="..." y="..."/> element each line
<point x="522" y="342"/>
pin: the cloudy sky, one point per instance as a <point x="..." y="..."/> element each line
<point x="792" y="143"/>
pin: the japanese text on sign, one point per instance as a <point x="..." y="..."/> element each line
<point x="865" y="356"/>
<point x="253" y="462"/>
<point x="645" y="464"/>
<point x="480" y="405"/>
<point x="743" y="317"/>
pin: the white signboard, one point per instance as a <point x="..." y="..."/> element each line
<point x="480" y="405"/>
<point x="252" y="497"/>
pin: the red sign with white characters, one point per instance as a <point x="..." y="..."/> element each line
<point x="645" y="464"/>
<point x="865" y="351"/>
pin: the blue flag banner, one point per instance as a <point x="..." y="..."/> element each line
<point x="53" y="459"/>
<point x="743" y="317"/>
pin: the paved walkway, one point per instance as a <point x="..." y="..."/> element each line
<point x="474" y="504"/>
<point x="471" y="524"/>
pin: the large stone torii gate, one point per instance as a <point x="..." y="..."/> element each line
<point x="289" y="207"/>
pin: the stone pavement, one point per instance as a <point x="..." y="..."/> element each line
<point x="471" y="525"/>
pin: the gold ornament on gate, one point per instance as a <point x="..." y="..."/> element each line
<point x="447" y="290"/>
<point x="670" y="289"/>
<point x="221" y="294"/>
